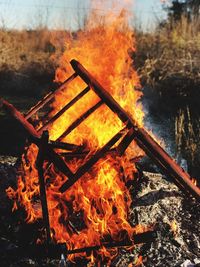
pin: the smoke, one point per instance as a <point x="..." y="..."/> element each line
<point x="160" y="125"/>
<point x="108" y="11"/>
<point x="115" y="5"/>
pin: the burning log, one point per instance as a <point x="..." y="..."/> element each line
<point x="145" y="237"/>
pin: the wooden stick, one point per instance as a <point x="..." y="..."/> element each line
<point x="77" y="122"/>
<point x="145" y="237"/>
<point x="53" y="251"/>
<point x="66" y="146"/>
<point x="83" y="154"/>
<point x="65" y="108"/>
<point x="48" y="97"/>
<point x="43" y="197"/>
<point x="125" y="142"/>
<point x="58" y="162"/>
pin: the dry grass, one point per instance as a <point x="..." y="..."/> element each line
<point x="26" y="64"/>
<point x="170" y="50"/>
<point x="19" y="48"/>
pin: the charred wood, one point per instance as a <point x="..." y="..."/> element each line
<point x="54" y="251"/>
<point x="43" y="196"/>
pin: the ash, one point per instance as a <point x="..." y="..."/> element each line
<point x="157" y="203"/>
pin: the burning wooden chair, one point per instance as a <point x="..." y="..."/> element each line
<point x="143" y="139"/>
<point x="130" y="131"/>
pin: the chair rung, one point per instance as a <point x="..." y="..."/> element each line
<point x="65" y="108"/>
<point x="48" y="97"/>
<point x="80" y="119"/>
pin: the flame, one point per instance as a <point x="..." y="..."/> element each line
<point x="194" y="181"/>
<point x="96" y="206"/>
<point x="139" y="261"/>
<point x="174" y="227"/>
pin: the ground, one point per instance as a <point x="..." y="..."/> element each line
<point x="157" y="203"/>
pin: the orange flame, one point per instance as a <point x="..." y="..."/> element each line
<point x="174" y="227"/>
<point x="100" y="199"/>
<point x="194" y="181"/>
<point x="139" y="261"/>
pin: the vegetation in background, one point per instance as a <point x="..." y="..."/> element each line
<point x="187" y="8"/>
<point x="25" y="62"/>
<point x="168" y="61"/>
